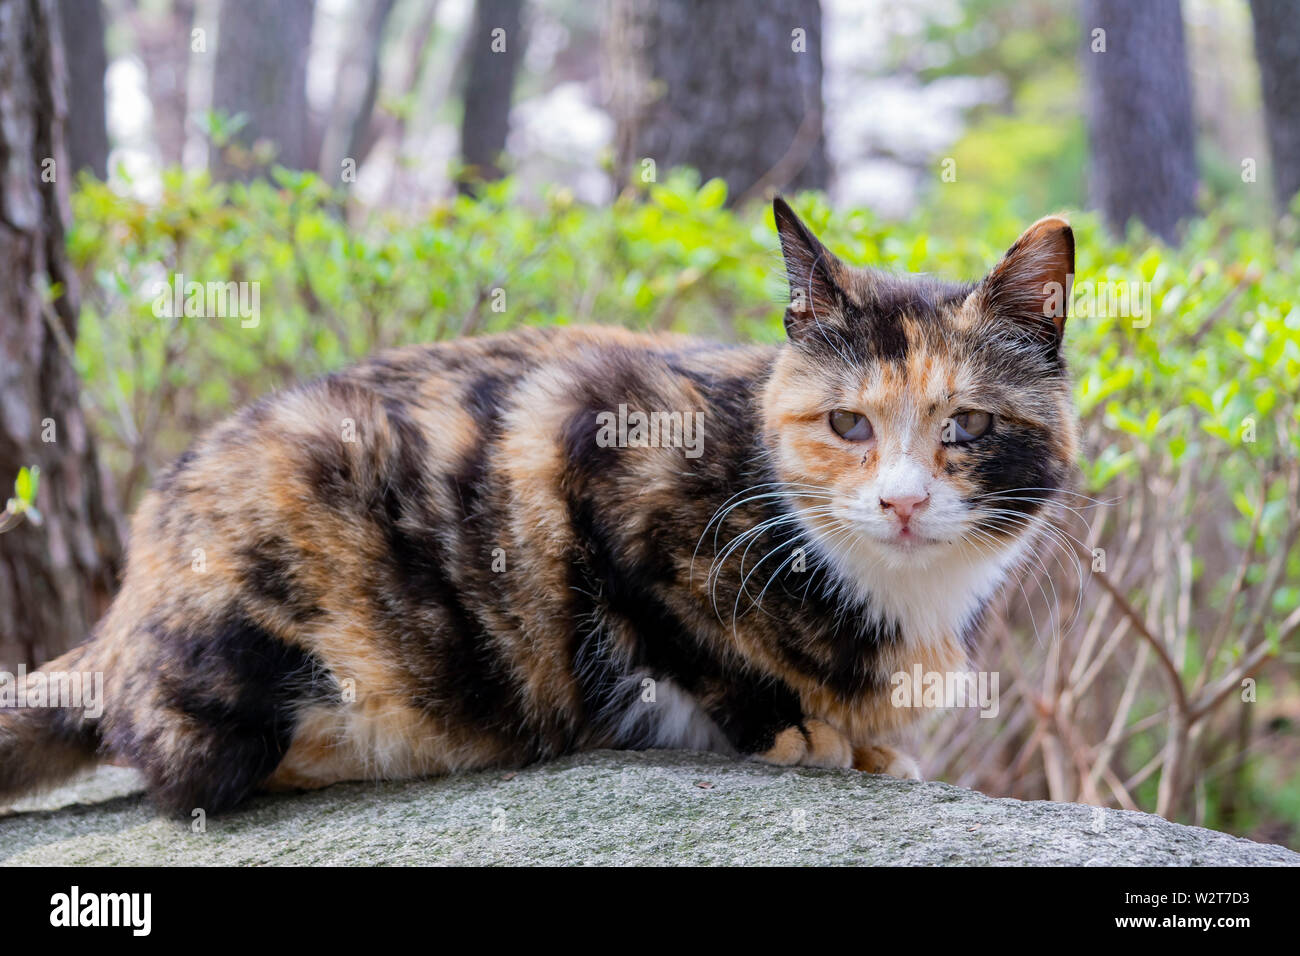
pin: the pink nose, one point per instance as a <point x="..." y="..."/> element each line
<point x="904" y="505"/>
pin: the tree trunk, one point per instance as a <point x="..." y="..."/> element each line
<point x="1141" y="128"/>
<point x="55" y="578"/>
<point x="731" y="88"/>
<point x="1277" y="47"/>
<point x="163" y="41"/>
<point x="495" y="46"/>
<point x="82" y="26"/>
<point x="261" y="72"/>
<point x="356" y="87"/>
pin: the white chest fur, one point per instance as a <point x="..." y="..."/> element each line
<point x="934" y="600"/>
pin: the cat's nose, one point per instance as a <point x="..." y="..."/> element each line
<point x="904" y="505"/>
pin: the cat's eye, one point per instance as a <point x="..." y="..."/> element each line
<point x="966" y="426"/>
<point x="850" y="425"/>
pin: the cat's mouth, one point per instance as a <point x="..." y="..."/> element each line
<point x="848" y="528"/>
<point x="904" y="539"/>
<point x="909" y="537"/>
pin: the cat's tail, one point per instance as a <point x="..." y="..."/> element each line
<point x="49" y="727"/>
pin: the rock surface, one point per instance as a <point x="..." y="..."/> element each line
<point x="613" y="809"/>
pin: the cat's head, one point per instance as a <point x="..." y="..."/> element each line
<point x="923" y="423"/>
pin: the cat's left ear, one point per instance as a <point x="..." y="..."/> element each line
<point x="816" y="295"/>
<point x="1031" y="284"/>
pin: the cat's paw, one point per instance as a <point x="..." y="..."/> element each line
<point x="882" y="758"/>
<point x="827" y="747"/>
<point x="816" y="744"/>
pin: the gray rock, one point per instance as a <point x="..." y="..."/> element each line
<point x="614" y="809"/>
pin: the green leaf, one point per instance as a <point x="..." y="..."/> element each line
<point x="26" y="485"/>
<point x="713" y="194"/>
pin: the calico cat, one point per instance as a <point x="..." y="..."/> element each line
<point x="477" y="554"/>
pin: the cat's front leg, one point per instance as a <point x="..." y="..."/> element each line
<point x="763" y="719"/>
<point x="882" y="758"/>
<point x="813" y="743"/>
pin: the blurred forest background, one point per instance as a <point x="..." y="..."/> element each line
<point x="389" y="171"/>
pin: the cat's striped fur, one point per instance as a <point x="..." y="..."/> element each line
<point x="429" y="561"/>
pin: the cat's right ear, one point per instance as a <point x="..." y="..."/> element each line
<point x="815" y="293"/>
<point x="1031" y="285"/>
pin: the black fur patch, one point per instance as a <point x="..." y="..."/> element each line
<point x="238" y="688"/>
<point x="1010" y="458"/>
<point x="749" y="709"/>
<point x="268" y="573"/>
<point x="441" y="640"/>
